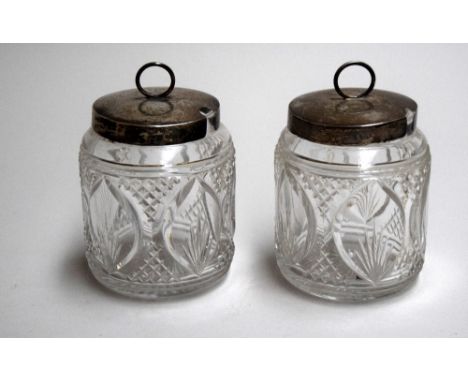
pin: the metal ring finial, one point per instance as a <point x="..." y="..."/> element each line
<point x="160" y="65"/>
<point x="354" y="63"/>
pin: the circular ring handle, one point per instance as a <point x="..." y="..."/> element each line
<point x="148" y="94"/>
<point x="354" y="63"/>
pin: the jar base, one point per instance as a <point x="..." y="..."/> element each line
<point x="156" y="291"/>
<point x="346" y="293"/>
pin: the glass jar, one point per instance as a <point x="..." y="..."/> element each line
<point x="352" y="175"/>
<point x="158" y="177"/>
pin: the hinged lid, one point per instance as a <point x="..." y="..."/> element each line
<point x="155" y="116"/>
<point x="352" y="116"/>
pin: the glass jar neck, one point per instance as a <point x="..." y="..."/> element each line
<point x="213" y="144"/>
<point x="410" y="146"/>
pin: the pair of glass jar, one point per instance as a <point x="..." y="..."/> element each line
<point x="158" y="188"/>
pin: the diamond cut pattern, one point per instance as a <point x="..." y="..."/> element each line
<point x="150" y="193"/>
<point x="328" y="268"/>
<point x="153" y="269"/>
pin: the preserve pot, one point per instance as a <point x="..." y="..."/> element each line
<point x="157" y="178"/>
<point x="352" y="175"/>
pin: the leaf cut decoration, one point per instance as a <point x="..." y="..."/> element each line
<point x="296" y="222"/>
<point x="113" y="222"/>
<point x="192" y="227"/>
<point x="369" y="230"/>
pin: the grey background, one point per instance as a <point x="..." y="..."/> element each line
<point x="46" y="95"/>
